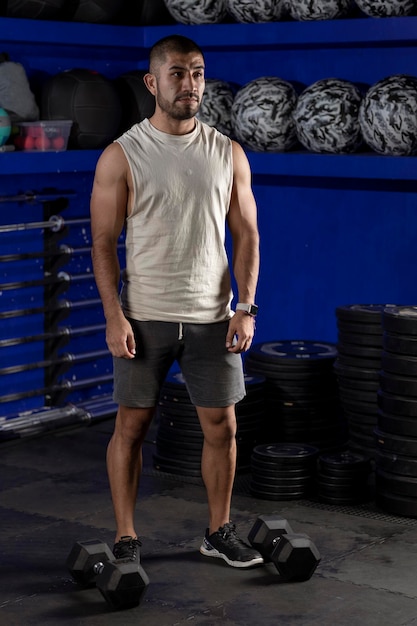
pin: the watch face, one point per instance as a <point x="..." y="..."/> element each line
<point x="251" y="309"/>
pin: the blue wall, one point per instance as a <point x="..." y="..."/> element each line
<point x="326" y="247"/>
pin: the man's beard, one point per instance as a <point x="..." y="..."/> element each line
<point x="177" y="111"/>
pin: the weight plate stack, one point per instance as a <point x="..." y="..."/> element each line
<point x="357" y="368"/>
<point x="343" y="478"/>
<point x="396" y="473"/>
<point x="396" y="433"/>
<point x="283" y="471"/>
<point x="301" y="395"/>
<point x="179" y="438"/>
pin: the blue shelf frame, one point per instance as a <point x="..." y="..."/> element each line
<point x="367" y="166"/>
<point x="303" y="164"/>
<point x="121" y="41"/>
<point x="69" y="161"/>
<point x="335" y="33"/>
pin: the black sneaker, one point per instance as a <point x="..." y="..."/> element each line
<point x="225" y="544"/>
<point x="127" y="549"/>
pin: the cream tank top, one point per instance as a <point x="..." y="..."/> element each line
<point x="177" y="268"/>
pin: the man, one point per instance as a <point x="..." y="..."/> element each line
<point x="174" y="183"/>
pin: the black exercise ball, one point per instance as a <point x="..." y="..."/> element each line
<point x="34" y="9"/>
<point x="136" y="100"/>
<point x="145" y="13"/>
<point x="93" y="11"/>
<point x="88" y="99"/>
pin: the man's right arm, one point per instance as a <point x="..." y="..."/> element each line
<point x="108" y="214"/>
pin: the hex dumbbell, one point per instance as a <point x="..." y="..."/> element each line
<point x="122" y="582"/>
<point x="294" y="554"/>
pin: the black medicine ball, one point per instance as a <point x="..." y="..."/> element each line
<point x="145" y="13"/>
<point x="88" y="99"/>
<point x="34" y="9"/>
<point x="92" y="11"/>
<point x="137" y="101"/>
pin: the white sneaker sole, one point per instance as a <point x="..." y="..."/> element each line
<point x="212" y="552"/>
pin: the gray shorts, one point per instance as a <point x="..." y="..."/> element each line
<point x="214" y="376"/>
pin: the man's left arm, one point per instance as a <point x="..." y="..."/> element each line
<point x="242" y="222"/>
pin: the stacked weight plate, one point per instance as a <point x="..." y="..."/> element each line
<point x="396" y="432"/>
<point x="283" y="471"/>
<point x="179" y="439"/>
<point x="357" y="369"/>
<point x="301" y="396"/>
<point x="249" y="415"/>
<point x="343" y="478"/>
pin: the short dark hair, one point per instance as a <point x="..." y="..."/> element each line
<point x="169" y="44"/>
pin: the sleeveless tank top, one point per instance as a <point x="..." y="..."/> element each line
<point x="177" y="267"/>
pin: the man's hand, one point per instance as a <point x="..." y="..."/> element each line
<point x="120" y="338"/>
<point x="240" y="333"/>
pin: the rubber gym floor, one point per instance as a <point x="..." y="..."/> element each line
<point x="54" y="492"/>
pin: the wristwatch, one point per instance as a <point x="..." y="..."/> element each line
<point x="250" y="309"/>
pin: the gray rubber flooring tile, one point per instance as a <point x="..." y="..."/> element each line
<point x="54" y="491"/>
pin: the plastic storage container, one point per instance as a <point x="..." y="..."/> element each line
<point x="43" y="136"/>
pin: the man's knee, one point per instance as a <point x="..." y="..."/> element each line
<point x="218" y="424"/>
<point x="132" y="423"/>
